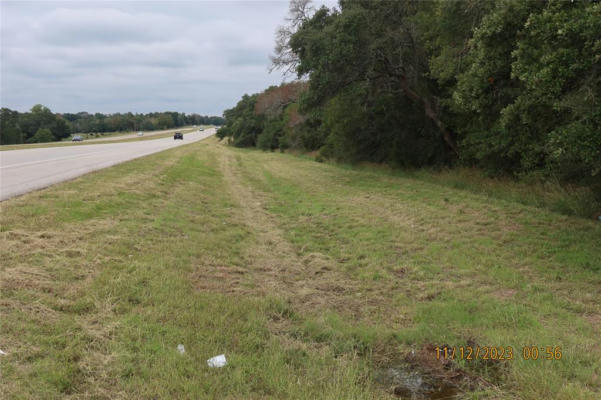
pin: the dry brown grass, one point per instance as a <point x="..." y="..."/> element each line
<point x="51" y="258"/>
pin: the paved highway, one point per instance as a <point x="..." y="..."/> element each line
<point x="135" y="135"/>
<point x="22" y="171"/>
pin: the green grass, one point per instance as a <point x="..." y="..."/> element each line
<point x="547" y="193"/>
<point x="309" y="277"/>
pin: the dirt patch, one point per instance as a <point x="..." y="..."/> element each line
<point x="35" y="311"/>
<point x="219" y="278"/>
<point x="406" y="382"/>
<point x="71" y="236"/>
<point x="318" y="261"/>
<point x="504" y="294"/>
<point x="594" y="320"/>
<point x="419" y="374"/>
<point x="25" y="277"/>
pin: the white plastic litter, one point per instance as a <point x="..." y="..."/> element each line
<point x="217" y="361"/>
<point x="2" y="353"/>
<point x="181" y="349"/>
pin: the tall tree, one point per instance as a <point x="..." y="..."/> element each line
<point x="284" y="57"/>
<point x="372" y="45"/>
<point x="10" y="132"/>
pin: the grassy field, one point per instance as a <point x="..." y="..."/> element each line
<point x="95" y="140"/>
<point x="316" y="281"/>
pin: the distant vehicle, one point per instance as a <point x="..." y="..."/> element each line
<point x="77" y="138"/>
<point x="178" y="135"/>
<point x="140" y="133"/>
<point x="201" y="129"/>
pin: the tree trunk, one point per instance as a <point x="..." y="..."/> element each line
<point x="430" y="113"/>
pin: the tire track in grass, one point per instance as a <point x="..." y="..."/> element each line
<point x="274" y="263"/>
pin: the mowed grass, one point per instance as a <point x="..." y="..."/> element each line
<point x="311" y="278"/>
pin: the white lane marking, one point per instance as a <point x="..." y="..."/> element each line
<point x="97" y="164"/>
<point x="53" y="159"/>
<point x="121" y="157"/>
<point x="76" y="156"/>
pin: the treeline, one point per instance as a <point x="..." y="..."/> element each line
<point x="41" y="125"/>
<point x="508" y="86"/>
<point x="269" y="120"/>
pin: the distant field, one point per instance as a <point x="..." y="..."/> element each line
<point x="316" y="281"/>
<point x="113" y="137"/>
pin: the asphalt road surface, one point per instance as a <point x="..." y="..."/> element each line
<point x="22" y="171"/>
<point x="135" y="134"/>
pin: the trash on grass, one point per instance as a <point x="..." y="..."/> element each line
<point x="181" y="349"/>
<point x="217" y="361"/>
<point x="2" y="353"/>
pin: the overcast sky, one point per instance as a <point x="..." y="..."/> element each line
<point x="138" y="56"/>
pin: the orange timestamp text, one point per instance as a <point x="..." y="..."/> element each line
<point x="497" y="353"/>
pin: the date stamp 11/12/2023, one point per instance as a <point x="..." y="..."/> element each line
<point x="473" y="353"/>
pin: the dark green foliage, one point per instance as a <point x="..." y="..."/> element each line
<point x="85" y="122"/>
<point x="147" y="125"/>
<point x="10" y="132"/>
<point x="353" y="106"/>
<point x="38" y="125"/>
<point x="269" y="120"/>
<point x="486" y="88"/>
<point x="43" y="135"/>
<point x="242" y="124"/>
<point x="303" y="131"/>
<point x="41" y="117"/>
<point x="165" y="121"/>
<point x="528" y="96"/>
<point x="269" y="138"/>
<point x="558" y="58"/>
<point x="513" y="87"/>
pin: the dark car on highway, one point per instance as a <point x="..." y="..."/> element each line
<point x="178" y="135"/>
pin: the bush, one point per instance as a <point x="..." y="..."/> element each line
<point x="43" y="135"/>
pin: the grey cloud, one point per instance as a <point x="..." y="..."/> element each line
<point x="85" y="27"/>
<point x="247" y="57"/>
<point x="136" y="56"/>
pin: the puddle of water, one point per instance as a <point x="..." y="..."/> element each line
<point x="408" y="383"/>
